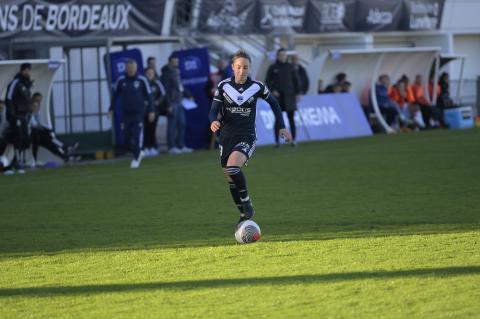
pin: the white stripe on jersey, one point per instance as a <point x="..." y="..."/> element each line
<point x="115" y="86"/>
<point x="11" y="89"/>
<point x="240" y="98"/>
<point x="147" y="85"/>
<point x="160" y="85"/>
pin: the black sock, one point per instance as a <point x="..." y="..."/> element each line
<point x="235" y="196"/>
<point x="240" y="182"/>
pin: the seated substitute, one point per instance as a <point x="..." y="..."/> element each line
<point x="43" y="135"/>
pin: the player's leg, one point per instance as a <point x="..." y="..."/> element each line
<point x="22" y="143"/>
<point x="226" y="146"/>
<point x="137" y="142"/>
<point x="171" y="131"/>
<point x="35" y="143"/>
<point x="146" y="135"/>
<point x="153" y="137"/>
<point x="238" y="157"/>
<point x="293" y="128"/>
<point x="50" y="142"/>
<point x="181" y="123"/>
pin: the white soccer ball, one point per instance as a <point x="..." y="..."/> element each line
<point x="247" y="232"/>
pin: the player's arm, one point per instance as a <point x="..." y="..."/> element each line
<point x="217" y="104"/>
<point x="8" y="100"/>
<point x="277" y="111"/>
<point x="116" y="92"/>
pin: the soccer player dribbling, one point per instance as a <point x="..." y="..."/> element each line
<point x="233" y="115"/>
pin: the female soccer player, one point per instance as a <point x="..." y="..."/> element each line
<point x="233" y="116"/>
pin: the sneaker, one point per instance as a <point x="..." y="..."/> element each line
<point x="154" y="152"/>
<point x="9" y="172"/>
<point x="186" y="150"/>
<point x="174" y="150"/>
<point x="136" y="162"/>
<point x="4" y="161"/>
<point x="21" y="171"/>
<point x="147" y="152"/>
<point x="40" y="163"/>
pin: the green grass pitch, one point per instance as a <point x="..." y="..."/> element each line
<point x="377" y="227"/>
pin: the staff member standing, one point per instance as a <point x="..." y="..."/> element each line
<point x="282" y="80"/>
<point x="176" y="121"/>
<point x="150" y="145"/>
<point x="19" y="109"/>
<point x="134" y="93"/>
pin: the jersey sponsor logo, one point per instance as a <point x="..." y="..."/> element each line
<point x="243" y="111"/>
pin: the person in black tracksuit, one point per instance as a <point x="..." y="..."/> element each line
<point x="19" y="109"/>
<point x="134" y="93"/>
<point x="282" y="80"/>
<point x="159" y="100"/>
<point x="232" y="117"/>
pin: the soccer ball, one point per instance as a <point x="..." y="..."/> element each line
<point x="247" y="232"/>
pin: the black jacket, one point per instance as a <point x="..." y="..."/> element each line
<point x="135" y="95"/>
<point x="18" y="99"/>
<point x="159" y="97"/>
<point x="302" y="78"/>
<point x="173" y="84"/>
<point x="283" y="78"/>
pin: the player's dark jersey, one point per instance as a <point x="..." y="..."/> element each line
<point x="235" y="105"/>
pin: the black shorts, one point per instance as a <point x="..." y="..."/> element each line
<point x="242" y="144"/>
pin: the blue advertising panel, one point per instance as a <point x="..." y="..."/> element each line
<point x="117" y="68"/>
<point x="319" y="117"/>
<point x="194" y="71"/>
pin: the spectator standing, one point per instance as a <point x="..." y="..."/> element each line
<point x="304" y="82"/>
<point x="150" y="145"/>
<point x="152" y="64"/>
<point x="19" y="109"/>
<point x="176" y="121"/>
<point x="282" y="80"/>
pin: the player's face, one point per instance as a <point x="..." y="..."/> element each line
<point x="36" y="103"/>
<point x="282" y="56"/>
<point x="240" y="68"/>
<point x="150" y="74"/>
<point x="27" y="73"/>
<point x="131" y="69"/>
<point x="174" y="62"/>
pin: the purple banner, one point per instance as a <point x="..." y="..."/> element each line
<point x="319" y="117"/>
